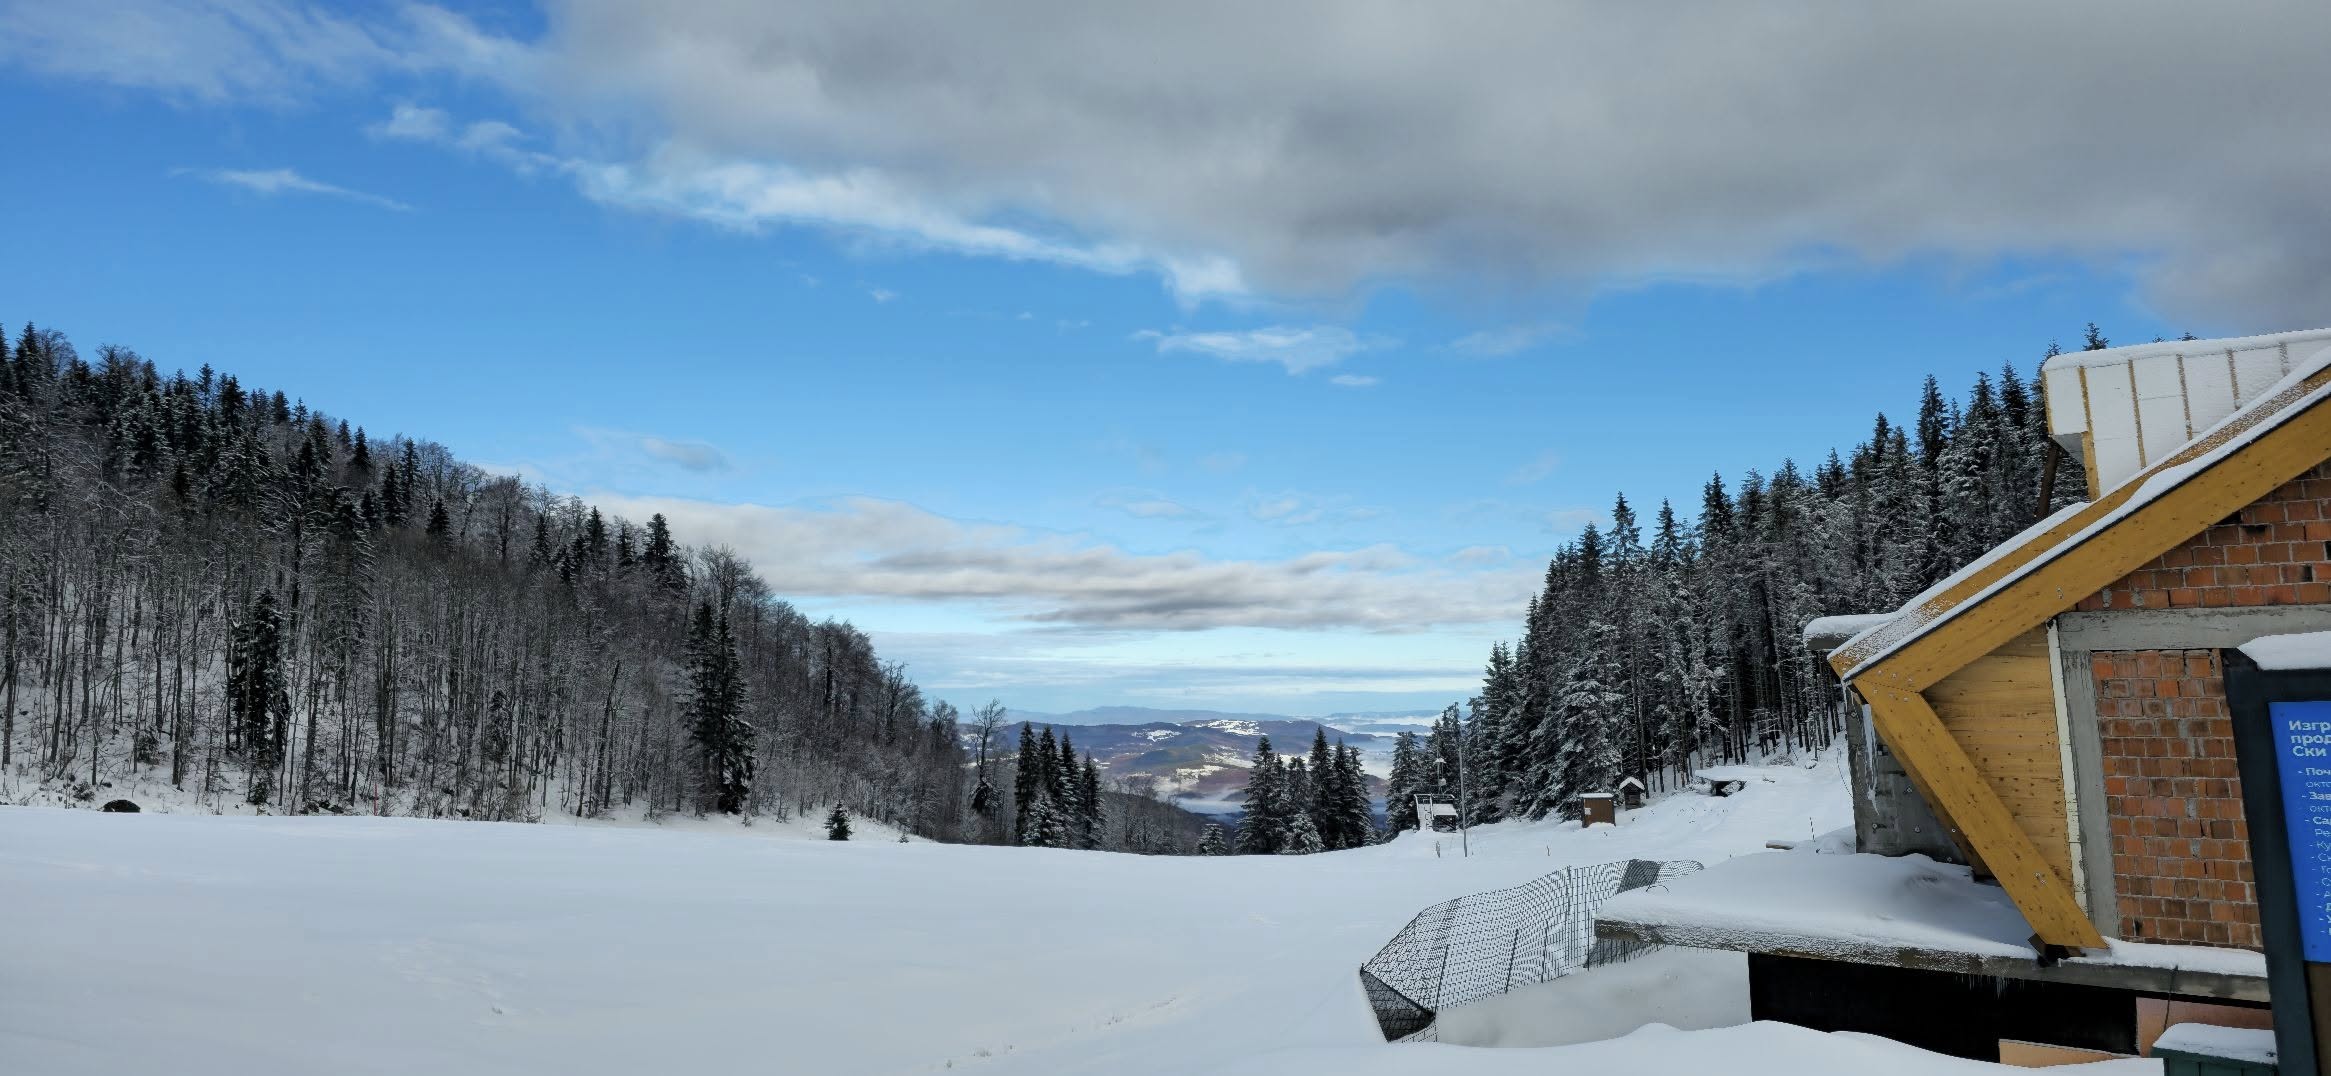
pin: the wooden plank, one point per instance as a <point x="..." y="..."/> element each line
<point x="1959" y="791"/>
<point x="2001" y="709"/>
<point x="2233" y="483"/>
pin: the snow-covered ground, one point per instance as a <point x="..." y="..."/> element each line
<point x="237" y="945"/>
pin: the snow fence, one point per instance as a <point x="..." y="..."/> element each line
<point x="1485" y="944"/>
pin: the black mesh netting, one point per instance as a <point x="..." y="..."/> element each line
<point x="1488" y="943"/>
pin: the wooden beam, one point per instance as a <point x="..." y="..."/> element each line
<point x="2193" y="506"/>
<point x="1966" y="799"/>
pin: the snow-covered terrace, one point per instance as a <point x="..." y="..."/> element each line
<point x="1901" y="911"/>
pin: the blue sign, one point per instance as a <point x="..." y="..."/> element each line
<point x="2302" y="753"/>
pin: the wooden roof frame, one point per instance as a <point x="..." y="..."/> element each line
<point x="1892" y="666"/>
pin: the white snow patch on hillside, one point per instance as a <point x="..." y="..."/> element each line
<point x="1230" y="725"/>
<point x="192" y="944"/>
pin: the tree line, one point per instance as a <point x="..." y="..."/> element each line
<point x="1298" y="805"/>
<point x="1650" y="654"/>
<point x="215" y="586"/>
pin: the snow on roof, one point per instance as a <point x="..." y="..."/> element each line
<point x="1907" y="910"/>
<point x="2254" y="1045"/>
<point x="1843" y="627"/>
<point x="2112" y="356"/>
<point x="2123" y="409"/>
<point x="2289" y="397"/>
<point x="1848" y="903"/>
<point x="2305" y="650"/>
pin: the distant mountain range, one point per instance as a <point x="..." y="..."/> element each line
<point x="1199" y="758"/>
<point x="1375" y="721"/>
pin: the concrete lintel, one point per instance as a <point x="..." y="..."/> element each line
<point x="2185" y="629"/>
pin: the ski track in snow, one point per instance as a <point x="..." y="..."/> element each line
<point x="195" y="944"/>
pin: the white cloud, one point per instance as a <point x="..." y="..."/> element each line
<point x="881" y="295"/>
<point x="1566" y="521"/>
<point x="1233" y="150"/>
<point x="688" y="455"/>
<point x="269" y="51"/>
<point x="862" y="548"/>
<point x="273" y="181"/>
<point x="490" y="139"/>
<point x="1352" y="381"/>
<point x="1534" y="471"/>
<point x="870" y="205"/>
<point x="1222" y="462"/>
<point x="1147" y="504"/>
<point x="1298" y="349"/>
<point x="1303" y="509"/>
<point x="413" y="123"/>
<point x="1481" y="555"/>
<point x="1310" y="147"/>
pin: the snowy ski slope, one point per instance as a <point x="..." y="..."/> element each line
<point x="192" y="945"/>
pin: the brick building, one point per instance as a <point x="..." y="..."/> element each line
<point x="2054" y="719"/>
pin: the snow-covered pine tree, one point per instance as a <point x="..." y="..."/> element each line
<point x="838" y="824"/>
<point x="1295" y="788"/>
<point x="1092" y="816"/>
<point x="1048" y="826"/>
<point x="1060" y="777"/>
<point x="1263" y="827"/>
<point x="1321" y="766"/>
<point x="1212" y="842"/>
<point x="1027" y="781"/>
<point x="723" y="736"/>
<point x="1355" y="824"/>
<point x="1593" y="711"/>
<point x="258" y="701"/>
<point x="1302" y="837"/>
<point x="1401" y="785"/>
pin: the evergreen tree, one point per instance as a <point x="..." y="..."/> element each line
<point x="1027" y="780"/>
<point x="660" y="557"/>
<point x="1355" y="822"/>
<point x="258" y="701"/>
<point x="838" y="824"/>
<point x="724" y="738"/>
<point x="1092" y="818"/>
<point x="1402" y="785"/>
<point x="1212" y="842"/>
<point x="1264" y="826"/>
<point x="1321" y="803"/>
<point x="1302" y="838"/>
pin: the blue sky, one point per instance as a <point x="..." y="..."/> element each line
<point x="1020" y="402"/>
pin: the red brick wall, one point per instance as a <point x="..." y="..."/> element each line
<point x="2275" y="552"/>
<point x="2180" y="849"/>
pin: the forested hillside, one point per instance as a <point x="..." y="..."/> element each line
<point x="1652" y="650"/>
<point x="212" y="584"/>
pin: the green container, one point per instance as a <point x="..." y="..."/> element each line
<point x="2181" y="1063"/>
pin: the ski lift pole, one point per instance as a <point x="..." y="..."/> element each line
<point x="1463" y="842"/>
